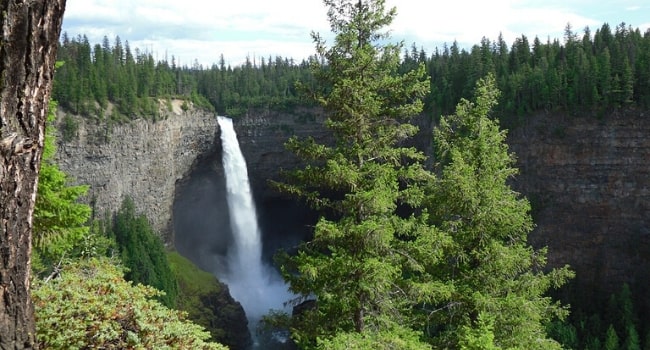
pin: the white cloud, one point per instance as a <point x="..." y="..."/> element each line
<point x="468" y="21"/>
<point x="203" y="30"/>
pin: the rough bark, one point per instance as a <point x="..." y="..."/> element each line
<point x="29" y="35"/>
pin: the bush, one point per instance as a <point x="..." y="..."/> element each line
<point x="91" y="306"/>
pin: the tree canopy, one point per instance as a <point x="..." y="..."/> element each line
<point x="499" y="281"/>
<point x="143" y="252"/>
<point x="353" y="263"/>
<point x="582" y="73"/>
<point x="402" y="252"/>
<point x="60" y="221"/>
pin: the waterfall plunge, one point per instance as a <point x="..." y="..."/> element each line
<point x="256" y="286"/>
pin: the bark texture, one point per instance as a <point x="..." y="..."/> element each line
<point x="30" y="31"/>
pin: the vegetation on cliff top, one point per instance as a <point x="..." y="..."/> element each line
<point x="585" y="72"/>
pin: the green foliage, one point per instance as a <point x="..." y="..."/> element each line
<point x="143" y="253"/>
<point x="564" y="332"/>
<point x="602" y="70"/>
<point x="199" y="294"/>
<point x="91" y="306"/>
<point x="396" y="338"/>
<point x="358" y="259"/>
<point x="632" y="339"/>
<point x="480" y="337"/>
<point x="614" y="323"/>
<point x="133" y="82"/>
<point x="493" y="270"/>
<point x="69" y="128"/>
<point x="611" y="339"/>
<point x="60" y="222"/>
<point x="446" y="257"/>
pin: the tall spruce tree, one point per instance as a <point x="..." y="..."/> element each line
<point x="499" y="281"/>
<point x="353" y="266"/>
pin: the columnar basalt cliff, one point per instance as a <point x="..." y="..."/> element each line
<point x="142" y="159"/>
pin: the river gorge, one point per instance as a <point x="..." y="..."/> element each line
<point x="588" y="180"/>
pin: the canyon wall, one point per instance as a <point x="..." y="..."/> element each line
<point x="588" y="181"/>
<point x="587" y="178"/>
<point x="142" y="159"/>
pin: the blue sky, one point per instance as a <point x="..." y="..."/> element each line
<point x="203" y="30"/>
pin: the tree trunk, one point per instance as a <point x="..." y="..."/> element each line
<point x="30" y="32"/>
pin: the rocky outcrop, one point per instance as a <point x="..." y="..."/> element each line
<point x="142" y="159"/>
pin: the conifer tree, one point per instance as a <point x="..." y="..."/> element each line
<point x="353" y="264"/>
<point x="496" y="276"/>
<point x="611" y="339"/>
<point x="143" y="253"/>
<point x="60" y="222"/>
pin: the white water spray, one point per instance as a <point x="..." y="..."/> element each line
<point x="257" y="287"/>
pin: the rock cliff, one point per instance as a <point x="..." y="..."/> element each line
<point x="142" y="159"/>
<point x="587" y="178"/>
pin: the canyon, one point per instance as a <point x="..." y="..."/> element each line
<point x="588" y="180"/>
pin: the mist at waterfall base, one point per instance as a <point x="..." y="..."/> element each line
<point x="257" y="286"/>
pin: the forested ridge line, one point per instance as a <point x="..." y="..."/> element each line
<point x="582" y="73"/>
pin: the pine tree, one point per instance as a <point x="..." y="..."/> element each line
<point x="611" y="339"/>
<point x="353" y="264"/>
<point x="495" y="274"/>
<point x="143" y="253"/>
<point x="60" y="222"/>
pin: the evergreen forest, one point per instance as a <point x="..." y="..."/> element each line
<point x="586" y="72"/>
<point x="403" y="256"/>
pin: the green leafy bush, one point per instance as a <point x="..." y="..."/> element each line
<point x="91" y="306"/>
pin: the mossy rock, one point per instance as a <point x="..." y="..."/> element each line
<point x="209" y="304"/>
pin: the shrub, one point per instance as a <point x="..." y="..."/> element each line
<point x="91" y="306"/>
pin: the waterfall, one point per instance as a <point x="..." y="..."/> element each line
<point x="257" y="287"/>
<point x="245" y="257"/>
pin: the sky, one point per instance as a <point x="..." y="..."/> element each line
<point x="200" y="31"/>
